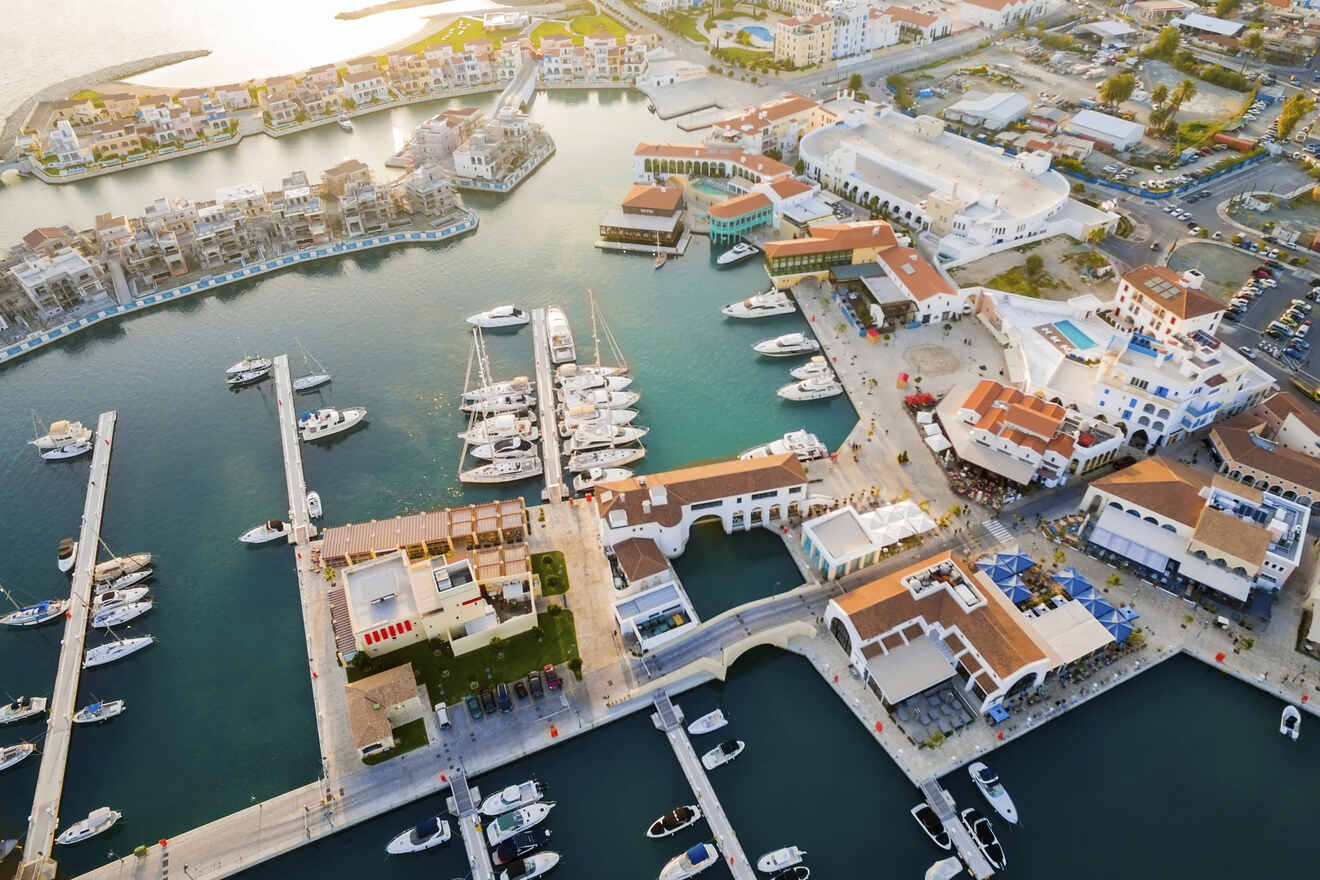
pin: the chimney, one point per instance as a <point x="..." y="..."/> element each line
<point x="641" y="481"/>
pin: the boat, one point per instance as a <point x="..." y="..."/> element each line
<point x="99" y="711"/>
<point x="270" y="530"/>
<point x="112" y="651"/>
<point x="314" y="504"/>
<point x="21" y="708"/>
<point x="112" y="599"/>
<point x="984" y="835"/>
<point x="707" y="723"/>
<point x="66" y="555"/>
<point x="797" y="872"/>
<point x="723" y="753"/>
<point x="99" y="821"/>
<point x="344" y="122"/>
<point x="788" y="345"/>
<point x="817" y="366"/>
<point x="660" y="260"/>
<point x="35" y="615"/>
<point x="532" y="866"/>
<point x="15" y="754"/>
<point x="760" y="305"/>
<point x="113" y="569"/>
<point x="428" y="833"/>
<point x="248" y="371"/>
<point x="690" y="862"/>
<point x="69" y="450"/>
<point x="501" y="427"/>
<point x="569" y="371"/>
<point x="595" y="436"/>
<point x="674" y="821"/>
<point x="123" y="582"/>
<point x="510" y="447"/>
<point x="601" y="397"/>
<point x="1290" y="723"/>
<point x="506" y="826"/>
<point x="507" y="403"/>
<point x="590" y="478"/>
<point x="61" y="432"/>
<point x="931" y="824"/>
<point x="561" y="336"/>
<point x="314" y="379"/>
<point x="520" y="845"/>
<point x="993" y="791"/>
<point x="500" y="316"/>
<point x="592" y="381"/>
<point x="807" y="447"/>
<point x="603" y="458"/>
<point x="512" y="797"/>
<point x="517" y="385"/>
<point x="778" y="859"/>
<point x="321" y="424"/>
<point x="944" y="869"/>
<point x="580" y="417"/>
<point x="503" y="470"/>
<point x="6" y="847"/>
<point x="121" y="614"/>
<point x="814" y="388"/>
<point x="736" y="254"/>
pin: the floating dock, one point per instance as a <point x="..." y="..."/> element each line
<point x="552" y="466"/>
<point x="463" y="805"/>
<point x="942" y="803"/>
<point x="38" y="863"/>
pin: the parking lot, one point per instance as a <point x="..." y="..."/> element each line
<point x="1273" y="322"/>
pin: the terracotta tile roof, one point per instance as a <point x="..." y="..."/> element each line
<point x="1018" y="438"/>
<point x="787" y="187"/>
<point x="761" y="117"/>
<point x="1236" y="446"/>
<point x="763" y="165"/>
<point x="1238" y="538"/>
<point x="1026" y="418"/>
<point x="640" y="558"/>
<point x="1286" y="404"/>
<point x="693" y="485"/>
<point x="835" y="237"/>
<point x="982" y="396"/>
<point x="370" y="698"/>
<point x="991" y="419"/>
<point x="739" y="205"/>
<point x="921" y="278"/>
<point x="653" y="198"/>
<point x="1165" y="288"/>
<point x="42" y="234"/>
<point x="429" y="527"/>
<point x="910" y="16"/>
<point x="1162" y="485"/>
<point x="1062" y="444"/>
<point x="1228" y="484"/>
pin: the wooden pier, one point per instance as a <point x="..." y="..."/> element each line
<point x="551" y="464"/>
<point x="946" y="811"/>
<point x="38" y="861"/>
<point x="463" y="806"/>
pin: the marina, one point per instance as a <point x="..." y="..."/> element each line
<point x="543" y="359"/>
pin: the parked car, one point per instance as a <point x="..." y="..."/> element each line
<point x="551" y="677"/>
<point x="534" y="682"/>
<point x="473" y="707"/>
<point x="1247" y="352"/>
<point x="488" y="701"/>
<point x="502" y="694"/>
<point x="520" y="690"/>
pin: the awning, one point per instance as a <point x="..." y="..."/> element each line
<point x="1014" y="589"/>
<point x="1096" y="604"/>
<point x="1071" y="632"/>
<point x="1018" y="560"/>
<point x="909" y="669"/>
<point x="995" y="567"/>
<point x="998" y="713"/>
<point x="1072" y="582"/>
<point x="938" y="442"/>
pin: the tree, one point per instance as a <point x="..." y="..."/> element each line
<point x="800" y="166"/>
<point x="855" y="82"/>
<point x="1185" y="91"/>
<point x="1254" y="41"/>
<point x="1118" y="88"/>
<point x="1035" y="264"/>
<point x="1166" y="44"/>
<point x="1159" y="96"/>
<point x="1225" y="8"/>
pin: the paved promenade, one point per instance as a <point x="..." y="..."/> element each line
<point x="552" y="469"/>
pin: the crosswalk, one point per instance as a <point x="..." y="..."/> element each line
<point x="998" y="530"/>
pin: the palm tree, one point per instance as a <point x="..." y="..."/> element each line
<point x="1185" y="91"/>
<point x="1118" y="88"/>
<point x="1159" y="96"/>
<point x="1254" y="43"/>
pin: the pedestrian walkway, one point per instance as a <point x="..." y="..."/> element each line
<point x="551" y="466"/>
<point x="998" y="531"/>
<point x="947" y="812"/>
<point x="463" y="805"/>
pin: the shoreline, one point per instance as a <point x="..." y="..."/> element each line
<point x="398" y="5"/>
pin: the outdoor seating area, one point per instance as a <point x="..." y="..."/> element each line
<point x="977" y="484"/>
<point x="1019" y="576"/>
<point x="1119" y="621"/>
<point x="940" y="710"/>
<point x="1067" y="529"/>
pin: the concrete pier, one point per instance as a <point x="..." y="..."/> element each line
<point x="39" y="864"/>
<point x="301" y="530"/>
<point x="552" y="467"/>
<point x="942" y="803"/>
<point x="463" y="805"/>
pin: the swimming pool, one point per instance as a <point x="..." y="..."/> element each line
<point x="759" y="32"/>
<point x="1075" y="335"/>
<point x="708" y="189"/>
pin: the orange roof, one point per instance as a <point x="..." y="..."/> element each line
<point x="739" y="205"/>
<point x="920" y="278"/>
<point x="1036" y="423"/>
<point x="910" y="16"/>
<point x="787" y="187"/>
<point x="762" y="165"/>
<point x="694" y="485"/>
<point x="1062" y="444"/>
<point x="982" y="396"/>
<point x="772" y="111"/>
<point x="991" y="420"/>
<point x="835" y="237"/>
<point x="1285" y="404"/>
<point x="653" y="198"/>
<point x="1166" y="289"/>
<point x="1161" y="484"/>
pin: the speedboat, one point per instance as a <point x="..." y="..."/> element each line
<point x="931" y="824"/>
<point x="248" y="371"/>
<point x="35" y="615"/>
<point x="12" y="755"/>
<point x="113" y="569"/>
<point x="6" y="847"/>
<point x="590" y="417"/>
<point x="595" y="436"/>
<point x="600" y="397"/>
<point x="121" y="614"/>
<point x="68" y="450"/>
<point x="516" y="385"/>
<point x="313" y="380"/>
<point x="1290" y="723"/>
<point x="506" y="826"/>
<point x="604" y="458"/>
<point x="784" y="857"/>
<point x="593" y="476"/>
<point x="723" y="753"/>
<point x="674" y="821"/>
<point x="504" y="403"/>
<point x="532" y="866"/>
<point x="807" y="447"/>
<point x="66" y="554"/>
<point x="99" y="711"/>
<point x="500" y="316"/>
<point x="99" y="821"/>
<point x="112" y="599"/>
<point x="314" y="504"/>
<point x="984" y="835"/>
<point x="270" y="530"/>
<point x="561" y="336"/>
<point x="512" y="797"/>
<point x="512" y="447"/>
<point x="62" y="432"/>
<point x="344" y="122"/>
<point x="994" y="791"/>
<point x="520" y="845"/>
<point x="500" y="427"/>
<point x="592" y="381"/>
<point x="797" y="872"/>
<point x="817" y="366"/>
<point x="124" y="581"/>
<point x="430" y="832"/>
<point x="708" y="722"/>
<point x="112" y="651"/>
<point x="760" y="305"/>
<point x="813" y="388"/>
<point x="504" y="470"/>
<point x="21" y="708"/>
<point x="944" y="869"/>
<point x="691" y="862"/>
<point x="788" y="345"/>
<point x="736" y="254"/>
<point x="321" y="424"/>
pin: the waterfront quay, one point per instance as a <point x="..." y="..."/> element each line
<point x="552" y="465"/>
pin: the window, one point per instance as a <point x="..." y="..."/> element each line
<point x="795" y="490"/>
<point x="771" y="494"/>
<point x="707" y="505"/>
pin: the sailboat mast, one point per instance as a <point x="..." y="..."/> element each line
<point x="595" y="339"/>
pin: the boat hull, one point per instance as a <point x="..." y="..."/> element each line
<point x="512" y="798"/>
<point x="308" y="383"/>
<point x="314" y="431"/>
<point x="520" y="820"/>
<point x="34" y="707"/>
<point x="657" y="829"/>
<point x="403" y="843"/>
<point x="99" y="822"/>
<point x="105" y="713"/>
<point x="780" y="859"/>
<point x="585" y="461"/>
<point x="109" y="653"/>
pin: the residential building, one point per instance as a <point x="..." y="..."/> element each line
<point x="365" y="208"/>
<point x="1291" y="422"/>
<point x="44" y="241"/>
<point x="428" y="191"/>
<point x="994" y="110"/>
<point x="364" y="64"/>
<point x="1158" y="302"/>
<point x="1246" y="450"/>
<point x="216" y="120"/>
<point x="234" y="96"/>
<point x="933" y="294"/>
<point x="326" y="76"/>
<point x="297" y="214"/>
<point x="774" y="125"/>
<point x="378" y="704"/>
<point x="859" y="28"/>
<point x="365" y="88"/>
<point x="59" y="282"/>
<point x="436" y="139"/>
<point x="222" y="238"/>
<point x="431" y="533"/>
<point x="498" y="147"/>
<point x="804" y="42"/>
<point x="192" y="99"/>
<point x="661" y="7"/>
<point x="919" y="27"/>
<point x="655" y="609"/>
<point x="337" y="178"/>
<point x="172" y="215"/>
<point x="114" y="140"/>
<point x="653" y="163"/>
<point x="120" y="105"/>
<point x="997" y="15"/>
<point x="649" y="215"/>
<point x="844" y="541"/>
<point x="249" y="199"/>
<point x="281" y="112"/>
<point x="62" y="143"/>
<point x="826" y="246"/>
<point x="1108" y="132"/>
<point x="278" y="88"/>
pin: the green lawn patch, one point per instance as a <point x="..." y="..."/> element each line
<point x="594" y="24"/>
<point x="553" y="571"/>
<point x="406" y="738"/>
<point x="733" y="54"/>
<point x="460" y="32"/>
<point x="85" y="95"/>
<point x="686" y="25"/>
<point x="550" y="28"/>
<point x="1016" y="280"/>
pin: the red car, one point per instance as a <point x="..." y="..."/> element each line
<point x="551" y="677"/>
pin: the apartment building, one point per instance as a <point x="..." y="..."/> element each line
<point x="803" y="42"/>
<point x="114" y="139"/>
<point x="774" y="125"/>
<point x="497" y="147"/>
<point x="429" y="191"/>
<point x="437" y="138"/>
<point x="59" y="282"/>
<point x="364" y="88"/>
<point x="297" y="214"/>
<point x="234" y="96"/>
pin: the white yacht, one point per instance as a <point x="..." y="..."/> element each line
<point x="517" y="385"/>
<point x="124" y="581"/>
<point x="100" y="820"/>
<point x="568" y="371"/>
<point x="580" y="417"/>
<point x="504" y="403"/>
<point x="428" y="833"/>
<point x="504" y="470"/>
<point x="21" y="708"/>
<point x="112" y="651"/>
<point x="511" y="797"/>
<point x="760" y="305"/>
<point x="779" y="859"/>
<point x="112" y="569"/>
<point x="112" y="599"/>
<point x="35" y="615"/>
<point x="807" y="447"/>
<point x="583" y="462"/>
<point x="15" y="754"/>
<point x="993" y="790"/>
<point x="344" y="122"/>
<point x="984" y="835"/>
<point x="533" y="866"/>
<point x="595" y="437"/>
<point x="121" y="614"/>
<point x="248" y="371"/>
<point x="931" y="824"/>
<point x="817" y="366"/>
<point x="520" y="845"/>
<point x="797" y="872"/>
<point x="814" y="388"/>
<point x="311" y="381"/>
<point x="500" y="316"/>
<point x="674" y="821"/>
<point x="591" y="381"/>
<point x="509" y="824"/>
<point x="66" y="554"/>
<point x="1290" y="723"/>
<point x="788" y="345"/>
<point x="512" y="447"/>
<point x="500" y="427"/>
<point x="270" y="530"/>
<point x="68" y="450"/>
<point x="561" y="336"/>
<point x="691" y="862"/>
<point x="61" y="433"/>
<point x="736" y="254"/>
<point x="600" y="397"/>
<point x="99" y="711"/>
<point x="723" y="753"/>
<point x="592" y="477"/>
<point x="321" y="424"/>
<point x="314" y="509"/>
<point x="709" y="722"/>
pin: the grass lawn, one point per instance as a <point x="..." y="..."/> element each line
<point x="406" y="738"/>
<point x="1016" y="280"/>
<point x="687" y="26"/>
<point x="550" y="28"/>
<point x="746" y="56"/>
<point x="460" y="32"/>
<point x="85" y="95"/>
<point x="594" y="24"/>
<point x="554" y="573"/>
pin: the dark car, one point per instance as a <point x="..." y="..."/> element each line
<point x="534" y="683"/>
<point x="1154" y="245"/>
<point x="474" y="707"/>
<point x="488" y="701"/>
<point x="551" y="677"/>
<point x="502" y="694"/>
<point x="520" y="689"/>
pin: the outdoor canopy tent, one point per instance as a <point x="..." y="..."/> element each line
<point x="1014" y="589"/>
<point x="1096" y="604"/>
<point x="1018" y="560"/>
<point x="1072" y="582"/>
<point x="997" y="570"/>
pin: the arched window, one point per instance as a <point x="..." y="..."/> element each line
<point x="1115" y="504"/>
<point x="1148" y="408"/>
<point x="1169" y="527"/>
<point x="1143" y="421"/>
<point x="1150" y="519"/>
<point x="841" y="635"/>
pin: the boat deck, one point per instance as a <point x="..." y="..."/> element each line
<point x="942" y="803"/>
<point x="552" y="464"/>
<point x="463" y="804"/>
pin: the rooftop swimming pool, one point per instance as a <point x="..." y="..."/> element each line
<point x="1074" y="334"/>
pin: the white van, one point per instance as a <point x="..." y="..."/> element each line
<point x="442" y="716"/>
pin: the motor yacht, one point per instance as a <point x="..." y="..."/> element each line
<point x="591" y="478"/>
<point x="112" y="651"/>
<point x="707" y="723"/>
<point x="248" y="371"/>
<point x="66" y="554"/>
<point x="561" y="336"/>
<point x="674" y="821"/>
<point x="723" y="753"/>
<point x="112" y="569"/>
<point x="123" y="582"/>
<point x="344" y="122"/>
<point x="788" y="345"/>
<point x="67" y="451"/>
<point x="600" y="397"/>
<point x="512" y="447"/>
<point x="512" y="797"/>
<point x="520" y="845"/>
<point x="500" y="316"/>
<point x="112" y="599"/>
<point x="501" y="427"/>
<point x="1290" y="723"/>
<point x="428" y="833"/>
<point x="807" y="447"/>
<point x="760" y="305"/>
<point x="691" y="862"/>
<point x="322" y="424"/>
<point x="817" y="366"/>
<point x="580" y="417"/>
<point x="532" y="866"/>
<point x="736" y="254"/>
<point x="15" y="754"/>
<point x="314" y="509"/>
<point x="984" y="835"/>
<point x="121" y="614"/>
<point x="101" y="710"/>
<point x="993" y="791"/>
<point x="777" y="860"/>
<point x="506" y="826"/>
<point x="596" y="436"/>
<point x="813" y="388"/>
<point x="931" y="824"/>
<point x="99" y="821"/>
<point x="270" y="530"/>
<point x="602" y="458"/>
<point x="21" y="708"/>
<point x="517" y="385"/>
<point x="35" y="615"/>
<point x="504" y="470"/>
<point x="62" y="432"/>
<point x="506" y="403"/>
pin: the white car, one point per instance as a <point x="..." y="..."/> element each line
<point x="1218" y="235"/>
<point x="1168" y="209"/>
<point x="1111" y="169"/>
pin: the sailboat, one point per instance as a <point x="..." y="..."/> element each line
<point x="314" y="379"/>
<point x="112" y="651"/>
